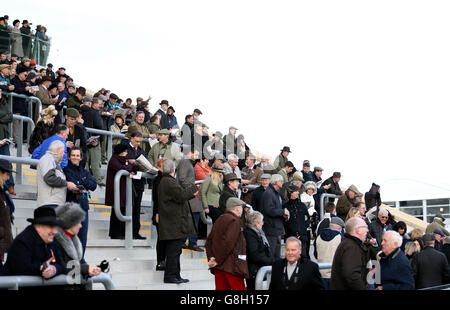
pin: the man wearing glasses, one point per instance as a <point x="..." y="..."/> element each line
<point x="376" y="229"/>
<point x="349" y="269"/>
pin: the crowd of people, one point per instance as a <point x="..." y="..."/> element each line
<point x="254" y="203"/>
<point x="18" y="41"/>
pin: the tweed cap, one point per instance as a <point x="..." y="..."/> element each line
<point x="72" y="112"/>
<point x="234" y="202"/>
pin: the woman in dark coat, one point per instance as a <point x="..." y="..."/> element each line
<point x="117" y="162"/>
<point x="160" y="246"/>
<point x="372" y="197"/>
<point x="80" y="177"/>
<point x="6" y="237"/>
<point x="258" y="248"/>
<point x="299" y="220"/>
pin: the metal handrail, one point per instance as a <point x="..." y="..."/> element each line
<point x="14" y="282"/>
<point x="28" y="99"/>
<point x="20" y="161"/>
<point x="444" y="287"/>
<point x="20" y="142"/>
<point x="265" y="272"/>
<point x="322" y="199"/>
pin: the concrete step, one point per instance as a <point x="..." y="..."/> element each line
<point x="191" y="285"/>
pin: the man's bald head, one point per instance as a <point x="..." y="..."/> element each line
<point x="356" y="227"/>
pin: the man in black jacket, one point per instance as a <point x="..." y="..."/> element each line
<point x="77" y="133"/>
<point x="231" y="184"/>
<point x="164" y="122"/>
<point x="274" y="214"/>
<point x="334" y="187"/>
<point x="134" y="151"/>
<point x="259" y="191"/>
<point x="295" y="272"/>
<point x="33" y="251"/>
<point x="430" y="267"/>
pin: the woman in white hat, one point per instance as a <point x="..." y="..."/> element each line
<point x="307" y="196"/>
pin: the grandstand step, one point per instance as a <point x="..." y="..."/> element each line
<point x="191" y="285"/>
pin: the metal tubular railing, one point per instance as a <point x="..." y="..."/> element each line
<point x="265" y="272"/>
<point x="322" y="202"/>
<point x="19" y="161"/>
<point x="14" y="282"/>
<point x="29" y="100"/>
<point x="20" y="142"/>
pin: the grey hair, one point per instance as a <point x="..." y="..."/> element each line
<point x="395" y="237"/>
<point x="352" y="223"/>
<point x="275" y="178"/>
<point x="383" y="211"/>
<point x="294" y="239"/>
<point x="168" y="166"/>
<point x="232" y="157"/>
<point x="55" y="145"/>
<point x="253" y="218"/>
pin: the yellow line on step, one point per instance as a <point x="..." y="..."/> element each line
<point x="94" y="199"/>
<point x="145" y="232"/>
<point x="29" y="173"/>
<point x="205" y="260"/>
<point x="91" y="205"/>
<point x="146" y="223"/>
<point x="31" y="180"/>
<point x="23" y="166"/>
<point x="105" y="213"/>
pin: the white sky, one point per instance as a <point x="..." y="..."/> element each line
<point x="360" y="87"/>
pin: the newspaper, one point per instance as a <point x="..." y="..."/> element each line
<point x="92" y="139"/>
<point x="142" y="161"/>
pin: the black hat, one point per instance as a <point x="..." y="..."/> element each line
<point x="289" y="164"/>
<point x="286" y="149"/>
<point x="45" y="215"/>
<point x="164" y="102"/>
<point x="22" y="70"/>
<point x="120" y="148"/>
<point x="46" y="79"/>
<point x="292" y="188"/>
<point x="336" y="174"/>
<point x="198" y="111"/>
<point x="114" y="96"/>
<point x="25" y="21"/>
<point x="5" y="165"/>
<point x="171" y="108"/>
<point x="49" y="65"/>
<point x="14" y="55"/>
<point x="62" y="68"/>
<point x="428" y="238"/>
<point x="230" y="177"/>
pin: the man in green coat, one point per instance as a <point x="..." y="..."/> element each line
<point x="280" y="161"/>
<point x="438" y="223"/>
<point x="164" y="149"/>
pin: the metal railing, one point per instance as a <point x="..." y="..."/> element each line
<point x="109" y="135"/>
<point x="35" y="47"/>
<point x="128" y="217"/>
<point x="20" y="142"/>
<point x="265" y="272"/>
<point x="19" y="161"/>
<point x="322" y="202"/>
<point x="29" y="100"/>
<point x="14" y="282"/>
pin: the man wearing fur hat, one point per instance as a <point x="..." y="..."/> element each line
<point x="70" y="215"/>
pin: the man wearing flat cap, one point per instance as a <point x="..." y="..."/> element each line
<point x="5" y="82"/>
<point x="77" y="136"/>
<point x="230" y="143"/>
<point x="165" y="148"/>
<point x="226" y="248"/>
<point x="259" y="191"/>
<point x="230" y="189"/>
<point x="33" y="252"/>
<point x="430" y="267"/>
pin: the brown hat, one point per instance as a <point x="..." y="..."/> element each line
<point x="230" y="177"/>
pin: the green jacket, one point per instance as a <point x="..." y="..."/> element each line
<point x="74" y="102"/>
<point x="436" y="224"/>
<point x="283" y="173"/>
<point x="281" y="162"/>
<point x="210" y="193"/>
<point x="153" y="129"/>
<point x="160" y="150"/>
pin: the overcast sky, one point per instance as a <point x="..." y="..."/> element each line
<point x="360" y="87"/>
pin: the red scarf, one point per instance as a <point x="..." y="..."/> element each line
<point x="68" y="234"/>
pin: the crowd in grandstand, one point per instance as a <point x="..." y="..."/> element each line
<point x="254" y="203"/>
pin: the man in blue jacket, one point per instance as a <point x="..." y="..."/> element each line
<point x="274" y="214"/>
<point x="396" y="271"/>
<point x="62" y="132"/>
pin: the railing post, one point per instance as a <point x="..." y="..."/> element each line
<point x="129" y="214"/>
<point x="109" y="147"/>
<point x="19" y="153"/>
